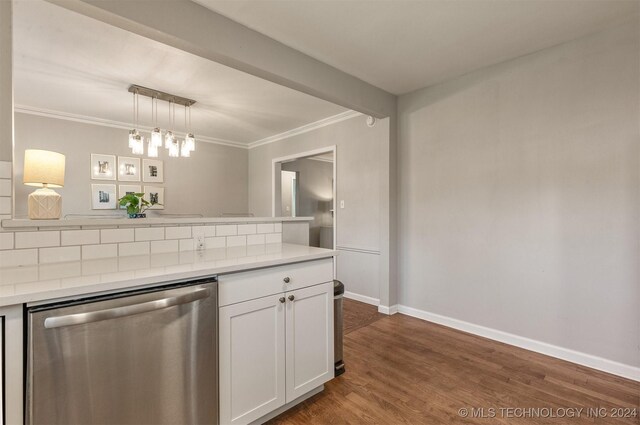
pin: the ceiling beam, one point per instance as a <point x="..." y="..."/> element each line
<point x="195" y="29"/>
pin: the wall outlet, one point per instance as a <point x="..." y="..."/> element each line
<point x="342" y="203"/>
<point x="199" y="241"/>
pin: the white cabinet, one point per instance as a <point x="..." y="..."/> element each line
<point x="252" y="359"/>
<point x="275" y="348"/>
<point x="309" y="339"/>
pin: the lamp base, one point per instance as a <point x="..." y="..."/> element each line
<point x="45" y="204"/>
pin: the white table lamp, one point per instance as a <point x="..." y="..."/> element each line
<point x="44" y="169"/>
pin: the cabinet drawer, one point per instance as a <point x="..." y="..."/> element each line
<point x="237" y="287"/>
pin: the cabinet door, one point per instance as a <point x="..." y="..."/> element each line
<point x="309" y="339"/>
<point x="252" y="359"/>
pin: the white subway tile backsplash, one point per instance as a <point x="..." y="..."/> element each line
<point x="236" y="241"/>
<point x="149" y="233"/>
<point x="158" y="247"/>
<point x="116" y="235"/>
<point x="133" y="248"/>
<point x="18" y="257"/>
<point x="79" y="237"/>
<point x="39" y="239"/>
<point x="59" y="254"/>
<point x="226" y="230"/>
<point x="255" y="240"/>
<point x="274" y="238"/>
<point x="92" y="252"/>
<point x="187" y="245"/>
<point x="209" y="231"/>
<point x="265" y="228"/>
<point x="246" y="229"/>
<point x="182" y="232"/>
<point x="5" y="187"/>
<point x="217" y="242"/>
<point x="6" y="240"/>
<point x="5" y="205"/>
<point x="5" y="170"/>
<point x="277" y="227"/>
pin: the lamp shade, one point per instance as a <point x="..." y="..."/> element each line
<point x="43" y="168"/>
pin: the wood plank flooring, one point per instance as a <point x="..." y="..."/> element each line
<point x="402" y="370"/>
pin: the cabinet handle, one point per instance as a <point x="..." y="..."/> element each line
<point x="282" y="299"/>
<point x="291" y="298"/>
<point x="286" y="279"/>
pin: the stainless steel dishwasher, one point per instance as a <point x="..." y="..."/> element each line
<point x="139" y="357"/>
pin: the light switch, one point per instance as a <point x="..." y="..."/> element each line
<point x="342" y="203"/>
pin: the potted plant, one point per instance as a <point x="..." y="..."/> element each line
<point x="136" y="205"/>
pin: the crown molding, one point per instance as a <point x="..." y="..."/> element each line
<point x="85" y="119"/>
<point x="305" y="128"/>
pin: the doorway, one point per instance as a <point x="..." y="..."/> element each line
<point x="305" y="186"/>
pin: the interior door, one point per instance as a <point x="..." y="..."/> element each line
<point x="309" y="339"/>
<point x="252" y="359"/>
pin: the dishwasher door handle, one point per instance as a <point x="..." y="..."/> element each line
<point x="130" y="310"/>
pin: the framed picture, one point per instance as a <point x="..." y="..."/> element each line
<point x="103" y="167"/>
<point x="152" y="171"/>
<point x="103" y="196"/>
<point x="128" y="169"/>
<point x="125" y="189"/>
<point x="154" y="194"/>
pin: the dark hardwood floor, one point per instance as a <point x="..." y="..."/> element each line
<point x="402" y="370"/>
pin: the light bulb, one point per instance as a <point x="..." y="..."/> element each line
<point x="132" y="134"/>
<point x="184" y="149"/>
<point x="138" y="145"/>
<point x="190" y="142"/>
<point x="152" y="151"/>
<point x="156" y="138"/>
<point x="168" y="139"/>
<point x="174" y="149"/>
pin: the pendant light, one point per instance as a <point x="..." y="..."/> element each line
<point x="156" y="134"/>
<point x="190" y="139"/>
<point x="169" y="137"/>
<point x="185" y="150"/>
<point x="136" y="141"/>
<point x="174" y="146"/>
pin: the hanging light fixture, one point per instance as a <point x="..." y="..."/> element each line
<point x="156" y="134"/>
<point x="185" y="150"/>
<point x="136" y="141"/>
<point x="168" y="136"/>
<point x="174" y="147"/>
<point x="190" y="139"/>
<point x="156" y="140"/>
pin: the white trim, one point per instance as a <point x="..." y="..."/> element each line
<point x="305" y="128"/>
<point x="389" y="311"/>
<point x="361" y="298"/>
<point x="85" y="119"/>
<point x="599" y="363"/>
<point x="334" y="150"/>
<point x="359" y="250"/>
<point x="321" y="159"/>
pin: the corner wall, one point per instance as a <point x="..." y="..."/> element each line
<point x="520" y="199"/>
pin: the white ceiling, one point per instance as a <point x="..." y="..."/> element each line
<point x="404" y="45"/>
<point x="73" y="64"/>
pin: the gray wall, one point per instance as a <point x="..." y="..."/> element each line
<point x="519" y="196"/>
<point x="315" y="197"/>
<point x="211" y="182"/>
<point x="361" y="151"/>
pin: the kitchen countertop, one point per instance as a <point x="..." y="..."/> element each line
<point x="31" y="284"/>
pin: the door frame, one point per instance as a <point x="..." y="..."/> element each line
<point x="275" y="178"/>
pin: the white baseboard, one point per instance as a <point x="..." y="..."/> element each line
<point x="599" y="363"/>
<point x="388" y="310"/>
<point x="361" y="298"/>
